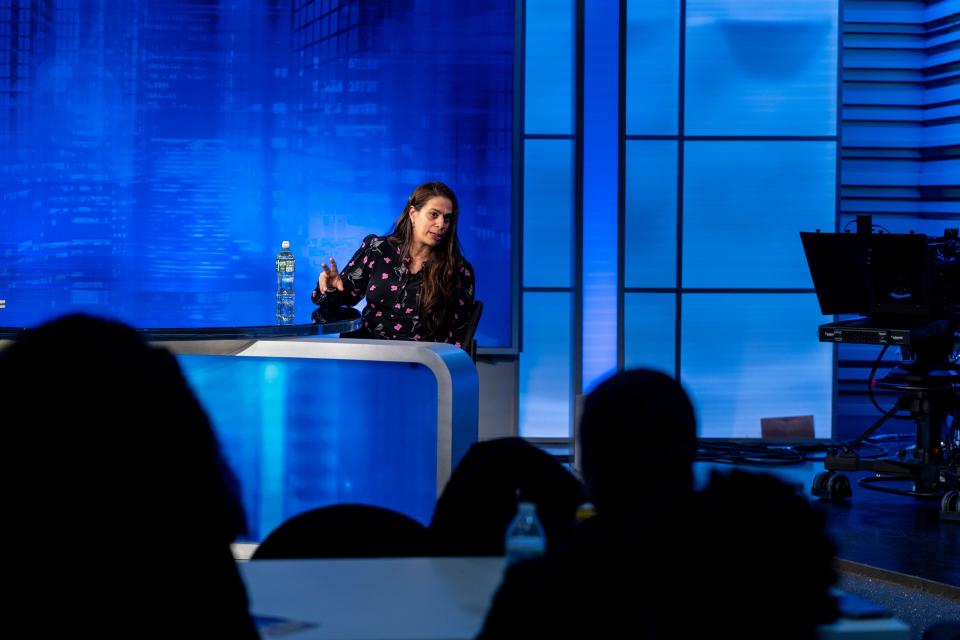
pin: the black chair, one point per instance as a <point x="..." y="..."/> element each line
<point x="480" y="498"/>
<point x="345" y="531"/>
<point x="469" y="343"/>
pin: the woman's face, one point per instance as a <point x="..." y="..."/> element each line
<point x="432" y="222"/>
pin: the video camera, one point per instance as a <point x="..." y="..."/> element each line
<point x="907" y="286"/>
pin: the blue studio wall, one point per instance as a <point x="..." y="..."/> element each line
<point x="687" y="142"/>
<point x="154" y="153"/>
<point x="672" y="152"/>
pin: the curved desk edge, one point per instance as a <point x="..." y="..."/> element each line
<point x="458" y="388"/>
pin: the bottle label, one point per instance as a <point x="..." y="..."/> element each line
<point x="524" y="547"/>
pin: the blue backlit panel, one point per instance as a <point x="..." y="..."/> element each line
<point x="761" y="68"/>
<point x="295" y="444"/>
<point x="600" y="191"/>
<point x="549" y="66"/>
<point x="548" y="213"/>
<point x="649" y="331"/>
<point x="650" y="229"/>
<point x="154" y="153"/>
<point x="750" y="356"/>
<point x="745" y="204"/>
<point x="546" y="402"/>
<point x="653" y="66"/>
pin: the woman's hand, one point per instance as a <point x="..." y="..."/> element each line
<point x="330" y="278"/>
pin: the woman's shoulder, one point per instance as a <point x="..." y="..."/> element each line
<point x="370" y="238"/>
<point x="375" y="243"/>
<point x="466" y="269"/>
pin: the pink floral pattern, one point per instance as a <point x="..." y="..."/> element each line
<point x="392" y="310"/>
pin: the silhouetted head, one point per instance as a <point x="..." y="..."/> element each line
<point x="637" y="439"/>
<point x="112" y="470"/>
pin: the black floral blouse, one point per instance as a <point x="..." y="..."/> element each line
<point x="392" y="293"/>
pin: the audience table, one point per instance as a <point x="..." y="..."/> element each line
<point x="402" y="598"/>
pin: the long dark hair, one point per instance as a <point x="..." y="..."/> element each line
<point x="439" y="272"/>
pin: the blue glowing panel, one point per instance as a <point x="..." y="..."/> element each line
<point x="885" y="173"/>
<point x="745" y="204"/>
<point x="549" y="66"/>
<point x="296" y="444"/>
<point x="653" y="66"/>
<point x="885" y="93"/>
<point x="156" y="152"/>
<point x="600" y="191"/>
<point x="942" y="173"/>
<point x="649" y="331"/>
<point x="761" y="68"/>
<point x="750" y="356"/>
<point x="546" y="402"/>
<point x="548" y="213"/>
<point x="650" y="229"/>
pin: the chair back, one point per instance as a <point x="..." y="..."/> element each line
<point x="345" y="531"/>
<point x="469" y="342"/>
<point x="480" y="499"/>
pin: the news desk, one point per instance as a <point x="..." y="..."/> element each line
<point x="306" y="419"/>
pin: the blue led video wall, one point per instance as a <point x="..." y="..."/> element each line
<point x="154" y="153"/>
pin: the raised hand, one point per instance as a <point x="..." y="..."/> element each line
<point x="330" y="278"/>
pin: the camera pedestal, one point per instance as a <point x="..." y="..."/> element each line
<point x="928" y="390"/>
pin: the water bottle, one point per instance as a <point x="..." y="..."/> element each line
<point x="525" y="537"/>
<point x="285" y="267"/>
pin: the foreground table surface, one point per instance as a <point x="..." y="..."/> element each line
<point x="400" y="598"/>
<point x="376" y="597"/>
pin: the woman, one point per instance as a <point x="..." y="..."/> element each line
<point x="416" y="281"/>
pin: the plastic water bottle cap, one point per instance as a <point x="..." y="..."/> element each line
<point x="526" y="507"/>
<point x="285" y="244"/>
<point x="585" y="511"/>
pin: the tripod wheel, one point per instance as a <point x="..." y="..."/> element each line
<point x="950" y="506"/>
<point x="830" y="485"/>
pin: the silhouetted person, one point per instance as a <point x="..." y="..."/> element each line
<point x="763" y="562"/>
<point x="747" y="557"/>
<point x="119" y="508"/>
<point x="948" y="630"/>
<point x="480" y="499"/>
<point x="637" y="438"/>
<point x="638" y="434"/>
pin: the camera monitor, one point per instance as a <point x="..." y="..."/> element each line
<point x="870" y="274"/>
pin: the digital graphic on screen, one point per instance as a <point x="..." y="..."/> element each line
<point x="155" y="153"/>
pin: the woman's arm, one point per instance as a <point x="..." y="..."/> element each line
<point x="354" y="278"/>
<point x="462" y="306"/>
